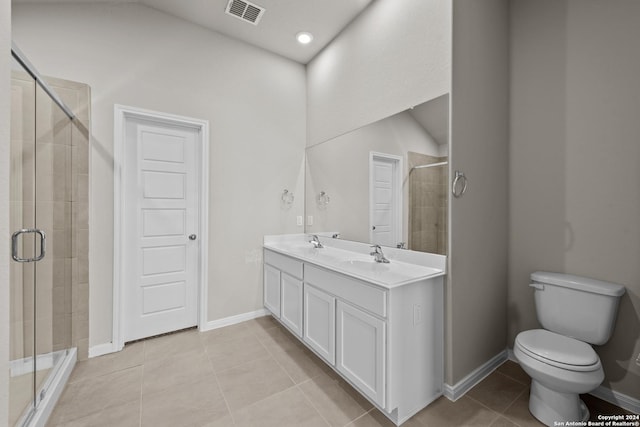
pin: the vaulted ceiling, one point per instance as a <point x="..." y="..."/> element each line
<point x="276" y="29"/>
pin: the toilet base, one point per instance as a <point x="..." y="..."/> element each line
<point x="550" y="406"/>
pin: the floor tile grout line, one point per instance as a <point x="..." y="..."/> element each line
<point x="518" y="395"/>
<point x="262" y="400"/>
<point x="271" y="395"/>
<point x="308" y="379"/>
<point x="231" y="413"/>
<point x="215" y="374"/>
<point x="510" y="377"/>
<point x="513" y="403"/>
<point x="311" y="402"/>
<point x="276" y="360"/>
<point x="234" y="366"/>
<point x="363" y="415"/>
<point x="510" y="403"/>
<point x="141" y="395"/>
<point x="144" y="349"/>
<point x="238" y="365"/>
<point x="287" y="372"/>
<point x="485" y="406"/>
<point x="65" y="419"/>
<point x="496" y="418"/>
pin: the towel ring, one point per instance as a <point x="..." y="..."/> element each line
<point x="287" y="197"/>
<point x="459" y="178"/>
<point x="323" y="199"/>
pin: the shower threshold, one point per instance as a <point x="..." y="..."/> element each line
<point x="60" y="364"/>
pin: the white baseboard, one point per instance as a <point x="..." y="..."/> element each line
<point x="102" y="349"/>
<point x="622" y="400"/>
<point x="618" y="399"/>
<point x="108" y="347"/>
<point x="458" y="390"/>
<point x="232" y="320"/>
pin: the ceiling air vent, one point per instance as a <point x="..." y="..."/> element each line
<point x="244" y="10"/>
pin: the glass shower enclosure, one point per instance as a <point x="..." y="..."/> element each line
<point x="41" y="353"/>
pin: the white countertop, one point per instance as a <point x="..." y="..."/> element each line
<point x="353" y="259"/>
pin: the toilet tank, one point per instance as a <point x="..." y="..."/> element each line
<point x="574" y="306"/>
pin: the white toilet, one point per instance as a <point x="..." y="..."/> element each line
<point x="573" y="311"/>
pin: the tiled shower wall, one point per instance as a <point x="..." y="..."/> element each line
<point x="427" y="204"/>
<point x="61" y="210"/>
<point x="77" y="97"/>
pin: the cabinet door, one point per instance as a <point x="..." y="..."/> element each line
<point x="360" y="355"/>
<point x="291" y="303"/>
<point x="320" y="322"/>
<point x="272" y="290"/>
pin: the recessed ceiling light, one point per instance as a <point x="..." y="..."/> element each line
<point x="304" y="38"/>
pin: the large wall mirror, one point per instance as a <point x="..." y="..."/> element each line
<point x="385" y="183"/>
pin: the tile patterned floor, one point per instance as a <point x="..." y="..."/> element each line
<point x="257" y="374"/>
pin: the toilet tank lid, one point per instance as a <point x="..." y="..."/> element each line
<point x="580" y="283"/>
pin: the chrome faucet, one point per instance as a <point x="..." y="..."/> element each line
<point x="378" y="255"/>
<point x="315" y="241"/>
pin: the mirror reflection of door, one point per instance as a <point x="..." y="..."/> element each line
<point x="385" y="206"/>
<point x="342" y="167"/>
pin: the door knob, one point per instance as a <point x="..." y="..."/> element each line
<point x="192" y="237"/>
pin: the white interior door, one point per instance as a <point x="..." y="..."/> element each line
<point x="385" y="207"/>
<point x="160" y="225"/>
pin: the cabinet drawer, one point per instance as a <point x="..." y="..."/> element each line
<point x="284" y="263"/>
<point x="354" y="291"/>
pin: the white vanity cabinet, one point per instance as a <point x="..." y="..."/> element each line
<point x="360" y="350"/>
<point x="320" y="322"/>
<point x="271" y="291"/>
<point x="384" y="338"/>
<point x="283" y="289"/>
<point x="291" y="303"/>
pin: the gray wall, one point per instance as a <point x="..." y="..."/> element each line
<point x="393" y="56"/>
<point x="477" y="289"/>
<point x="575" y="160"/>
<point x="5" y="101"/>
<point x="255" y="103"/>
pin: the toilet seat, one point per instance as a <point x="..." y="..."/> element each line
<point x="558" y="350"/>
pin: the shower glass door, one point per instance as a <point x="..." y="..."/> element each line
<point x="42" y="268"/>
<point x="22" y="274"/>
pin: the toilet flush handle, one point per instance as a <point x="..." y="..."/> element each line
<point x="538" y="286"/>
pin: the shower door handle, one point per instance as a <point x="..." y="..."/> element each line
<point x="14" y="244"/>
